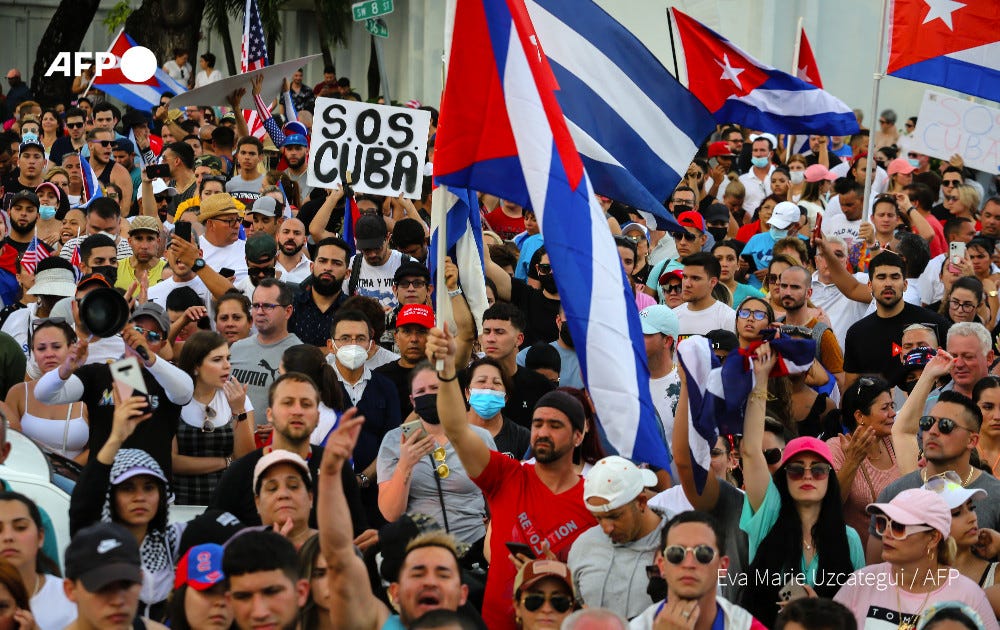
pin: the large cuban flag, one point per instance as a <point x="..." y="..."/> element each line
<point x="502" y="131"/>
<point x="735" y="87"/>
<point x="464" y="233"/>
<point x="144" y="96"/>
<point x="952" y="44"/>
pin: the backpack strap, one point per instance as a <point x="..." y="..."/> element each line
<point x="352" y="284"/>
<point x="817" y="335"/>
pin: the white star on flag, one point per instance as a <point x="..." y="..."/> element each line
<point x="942" y="10"/>
<point x="803" y="75"/>
<point x="729" y="72"/>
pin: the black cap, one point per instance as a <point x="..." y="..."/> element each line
<point x="724" y="340"/>
<point x="124" y="144"/>
<point x="410" y="269"/>
<point x="565" y="403"/>
<point x="212" y="526"/>
<point x="370" y="232"/>
<point x="716" y="212"/>
<point x="134" y="118"/>
<point x="103" y="554"/>
<point x="24" y="194"/>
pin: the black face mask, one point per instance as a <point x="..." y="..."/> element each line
<point x="548" y="282"/>
<point x="564" y="334"/>
<point x="259" y="273"/>
<point x="908" y="386"/>
<point x="681" y="207"/>
<point x="426" y="406"/>
<point x="719" y="233"/>
<point x="110" y="273"/>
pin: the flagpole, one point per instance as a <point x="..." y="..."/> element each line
<point x="791" y="141"/>
<point x="876" y="82"/>
<point x="113" y="40"/>
<point x="673" y="47"/>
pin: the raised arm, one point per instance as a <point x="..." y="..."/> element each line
<point x="756" y="475"/>
<point x="317" y="227"/>
<point x="465" y="339"/>
<point x="709" y="496"/>
<point x="499" y="277"/>
<point x="471" y="449"/>
<point x="234" y="102"/>
<point x="353" y="606"/>
<point x="905" y="428"/>
<point x="845" y="282"/>
<point x="187" y="253"/>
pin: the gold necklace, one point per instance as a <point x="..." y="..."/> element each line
<point x="965" y="482"/>
<point x="911" y="622"/>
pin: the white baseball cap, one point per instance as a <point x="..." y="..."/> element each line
<point x="616" y="480"/>
<point x="785" y="214"/>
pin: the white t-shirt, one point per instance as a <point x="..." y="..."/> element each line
<point x="376" y="282"/>
<point x="328" y="420"/>
<point x="158" y="293"/>
<point x="756" y="190"/>
<point x="879" y="182"/>
<point x="193" y="414"/>
<point x="18" y="324"/>
<point x="178" y="72"/>
<point x="204" y="78"/>
<point x="842" y="310"/>
<point x="839" y="225"/>
<point x="50" y="606"/>
<point x="665" y="392"/>
<point x="232" y="256"/>
<point x="297" y="274"/>
<point x="717" y="316"/>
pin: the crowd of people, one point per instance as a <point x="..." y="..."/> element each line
<point x="359" y="464"/>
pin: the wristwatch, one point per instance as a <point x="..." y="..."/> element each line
<point x="363" y="480"/>
<point x="992" y="293"/>
<point x="239" y="417"/>
<point x="199" y="264"/>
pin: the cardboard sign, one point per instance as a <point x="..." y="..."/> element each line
<point x="382" y="147"/>
<point x="949" y="124"/>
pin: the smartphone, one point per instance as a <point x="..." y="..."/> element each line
<point x="413" y="427"/>
<point x="792" y="591"/>
<point x="818" y="230"/>
<point x="516" y="548"/>
<point x="182" y="230"/>
<point x="158" y="170"/>
<point x="226" y="272"/>
<point x="956" y="251"/>
<point x="127" y="377"/>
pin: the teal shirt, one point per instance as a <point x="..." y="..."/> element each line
<point x="757" y="526"/>
<point x="743" y="291"/>
<point x="50" y="547"/>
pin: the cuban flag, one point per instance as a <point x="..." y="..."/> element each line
<point x="351" y="215"/>
<point x="502" y="131"/>
<point x="635" y="126"/>
<point x="36" y="252"/>
<point x="952" y="44"/>
<point x="91" y="185"/>
<point x="144" y="96"/>
<point x="806" y="67"/>
<point x="464" y="233"/>
<point x="737" y="88"/>
<point x="253" y="52"/>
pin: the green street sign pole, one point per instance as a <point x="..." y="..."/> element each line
<point x="383" y="77"/>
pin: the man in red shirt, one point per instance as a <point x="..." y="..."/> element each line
<point x="540" y="505"/>
<point x="507" y="220"/>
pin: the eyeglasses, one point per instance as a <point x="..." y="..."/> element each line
<point x="265" y="306"/>
<point x="229" y="222"/>
<point x="104" y="143"/>
<point x="74" y="125"/>
<point x="534" y="601"/>
<point x="948" y="183"/>
<point x="544" y="268"/>
<point x="818" y="471"/>
<point x="214" y="178"/>
<point x="772" y="456"/>
<point x="442" y="469"/>
<point x="885" y="525"/>
<point x="344" y="340"/>
<point x="675" y="554"/>
<point x="964" y="307"/>
<point x="151" y="335"/>
<point x="746" y="313"/>
<point x="686" y="236"/>
<point x="671" y="288"/>
<point x="945" y="425"/>
<point x="415" y="283"/>
<point x="47" y="320"/>
<point x="208" y="427"/>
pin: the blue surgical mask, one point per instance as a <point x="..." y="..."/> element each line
<point x="914" y="162"/>
<point x="797" y="177"/>
<point x="47" y="212"/>
<point x="487" y="402"/>
<point x="777" y="234"/>
<point x="760" y="162"/>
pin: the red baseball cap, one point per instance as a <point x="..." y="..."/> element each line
<point x="720" y="149"/>
<point x="692" y="219"/>
<point x="419" y="314"/>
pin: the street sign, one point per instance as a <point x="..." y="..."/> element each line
<point x="377" y="27"/>
<point x="371" y="8"/>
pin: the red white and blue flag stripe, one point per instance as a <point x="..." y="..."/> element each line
<point x="464" y="232"/>
<point x="351" y="215"/>
<point x="144" y="96"/>
<point x="502" y="131"/>
<point x="35" y="253"/>
<point x="735" y="87"/>
<point x="91" y="185"/>
<point x="253" y="52"/>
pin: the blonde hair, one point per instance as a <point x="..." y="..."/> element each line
<point x="968" y="197"/>
<point x="55" y="170"/>
<point x="735" y="188"/>
<point x="798" y="158"/>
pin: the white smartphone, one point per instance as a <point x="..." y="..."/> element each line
<point x="956" y="250"/>
<point x="127" y="377"/>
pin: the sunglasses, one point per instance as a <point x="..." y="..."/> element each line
<point x="544" y="268"/>
<point x="151" y="335"/>
<point x="161" y="198"/>
<point x="772" y="456"/>
<point x="746" y="313"/>
<point x="104" y="143"/>
<point x="534" y="601"/>
<point x="948" y="183"/>
<point x="675" y="554"/>
<point x="74" y="125"/>
<point x="208" y="427"/>
<point x="686" y="236"/>
<point x="47" y="320"/>
<point x="948" y="480"/>
<point x="635" y="238"/>
<point x="945" y="425"/>
<point x="885" y="525"/>
<point x="671" y="288"/>
<point x="247" y="224"/>
<point x="818" y="471"/>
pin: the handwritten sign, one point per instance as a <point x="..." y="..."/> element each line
<point x="383" y="147"/>
<point x="949" y="124"/>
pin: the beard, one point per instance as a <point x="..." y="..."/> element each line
<point x="550" y="454"/>
<point x="295" y="163"/>
<point x="290" y="248"/>
<point x="326" y="286"/>
<point x="23" y="231"/>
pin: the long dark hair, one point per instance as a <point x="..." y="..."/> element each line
<point x="781" y="550"/>
<point x="590" y="450"/>
<point x="177" y="614"/>
<point x="43" y="563"/>
<point x="310" y="360"/>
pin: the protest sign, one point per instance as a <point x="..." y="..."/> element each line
<point x="382" y="147"/>
<point x="950" y="124"/>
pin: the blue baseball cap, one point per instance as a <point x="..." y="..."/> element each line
<point x="201" y="567"/>
<point x="294" y="127"/>
<point x="659" y="318"/>
<point x="295" y="140"/>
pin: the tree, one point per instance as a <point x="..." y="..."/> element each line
<point x="65" y="34"/>
<point x="163" y="25"/>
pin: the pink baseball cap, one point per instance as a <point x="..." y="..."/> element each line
<point x="917" y="506"/>
<point x="807" y="445"/>
<point x="818" y="172"/>
<point x="900" y="165"/>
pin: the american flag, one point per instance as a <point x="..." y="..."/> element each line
<point x="253" y="55"/>
<point x="254" y="124"/>
<point x="36" y="252"/>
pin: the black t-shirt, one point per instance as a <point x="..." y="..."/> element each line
<point x="528" y="387"/>
<point x="155" y="435"/>
<point x="400" y="377"/>
<point x="539" y="310"/>
<point x="868" y="346"/>
<point x="23" y="247"/>
<point x="513" y="439"/>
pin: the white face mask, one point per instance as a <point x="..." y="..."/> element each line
<point x="797" y="177"/>
<point x="352" y="357"/>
